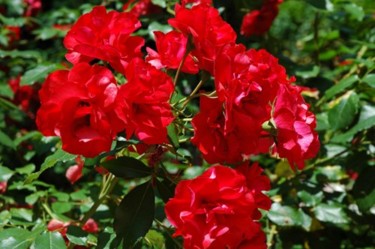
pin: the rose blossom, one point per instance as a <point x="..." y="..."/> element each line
<point x="218" y="209"/>
<point x="104" y="36"/>
<point x="142" y="104"/>
<point x="77" y="105"/>
<point x="208" y="30"/>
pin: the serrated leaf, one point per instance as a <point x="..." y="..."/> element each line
<point x="49" y="240"/>
<point x="134" y="215"/>
<point x="127" y="167"/>
<point x="37" y="74"/>
<point x="50" y="161"/>
<point x="76" y="235"/>
<point x="288" y="216"/>
<point x="15" y="238"/>
<point x="344" y="112"/>
<point x="340" y="86"/>
<point x="332" y="213"/>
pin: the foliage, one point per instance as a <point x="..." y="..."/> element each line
<point x="330" y="203"/>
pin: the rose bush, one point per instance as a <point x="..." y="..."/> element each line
<point x="186" y="124"/>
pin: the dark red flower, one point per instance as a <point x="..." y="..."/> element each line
<point x="104" y="36"/>
<point x="142" y="104"/>
<point x="13" y="34"/>
<point x="77" y="105"/>
<point x="141" y="7"/>
<point x="171" y="49"/>
<point x="258" y="22"/>
<point x="55" y="225"/>
<point x="25" y="96"/>
<point x="90" y="226"/>
<point x="296" y="138"/>
<point x="3" y="187"/>
<point x="216" y="210"/>
<point x="32" y="7"/>
<point x="208" y="30"/>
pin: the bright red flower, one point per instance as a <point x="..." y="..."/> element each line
<point x="208" y="30"/>
<point x="171" y="49"/>
<point x="13" y="34"/>
<point x="216" y="210"/>
<point x="104" y="36"/>
<point x="141" y="7"/>
<point x="296" y="138"/>
<point x="74" y="173"/>
<point x="258" y="22"/>
<point x="77" y="105"/>
<point x="90" y="226"/>
<point x="142" y="104"/>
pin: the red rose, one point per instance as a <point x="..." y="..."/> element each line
<point x="171" y="50"/>
<point x="142" y="104"/>
<point x="208" y="30"/>
<point x="58" y="226"/>
<point x="216" y="210"/>
<point x="258" y="22"/>
<point x="32" y="7"/>
<point x="77" y="105"/>
<point x="104" y="36"/>
<point x="296" y="138"/>
<point x="74" y="173"/>
<point x="3" y="187"/>
<point x="90" y="226"/>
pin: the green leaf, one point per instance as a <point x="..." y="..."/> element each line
<point x="127" y="167"/>
<point x="288" y="216"/>
<point x="369" y="80"/>
<point x="37" y="74"/>
<point x="76" y="235"/>
<point x="307" y="71"/>
<point x="340" y="86"/>
<point x="15" y="238"/>
<point x="58" y="156"/>
<point x="46" y="33"/>
<point x="22" y="214"/>
<point x="166" y="189"/>
<point x="49" y="240"/>
<point x="332" y="213"/>
<point x="27" y="136"/>
<point x="321" y="4"/>
<point x="161" y="3"/>
<point x="364" y="189"/>
<point x="134" y="215"/>
<point x="366" y="121"/>
<point x="26" y="170"/>
<point x="173" y="135"/>
<point x="60" y="207"/>
<point x="26" y="54"/>
<point x="5" y="174"/>
<point x="6" y="140"/>
<point x="344" y="112"/>
<point x="309" y="199"/>
<point x="106" y="239"/>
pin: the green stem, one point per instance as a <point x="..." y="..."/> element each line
<point x="108" y="184"/>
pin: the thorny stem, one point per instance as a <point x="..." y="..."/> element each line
<point x="108" y="184"/>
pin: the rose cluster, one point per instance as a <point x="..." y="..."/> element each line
<point x="254" y="109"/>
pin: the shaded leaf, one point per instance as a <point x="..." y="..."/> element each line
<point x="127" y="167"/>
<point x="6" y="140"/>
<point x="15" y="238"/>
<point x="58" y="156"/>
<point x="369" y="80"/>
<point x="166" y="189"/>
<point x="340" y="86"/>
<point x="37" y="74"/>
<point x="135" y="214"/>
<point x="76" y="235"/>
<point x="172" y="135"/>
<point x="344" y="112"/>
<point x="5" y="174"/>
